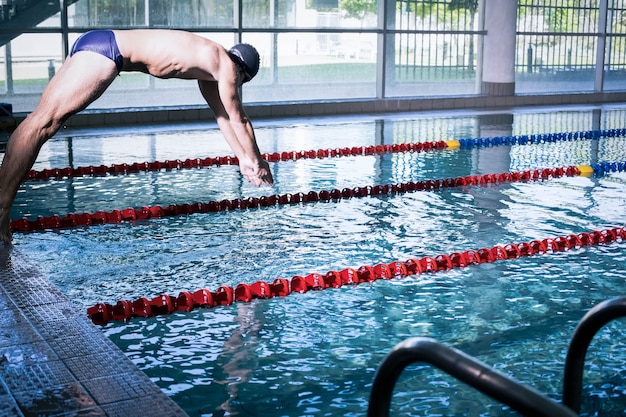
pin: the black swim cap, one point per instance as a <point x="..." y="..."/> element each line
<point x="247" y="57"/>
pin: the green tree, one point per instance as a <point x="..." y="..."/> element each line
<point x="470" y="5"/>
<point x="359" y="8"/>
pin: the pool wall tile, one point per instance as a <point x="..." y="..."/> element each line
<point x="54" y="361"/>
<point x="144" y="117"/>
<point x="367" y="107"/>
<point x="191" y="113"/>
<point x="303" y="109"/>
<point x="404" y="106"/>
<point x="126" y="118"/>
<point x="112" y="119"/>
<point x="330" y="109"/>
<point x="198" y="114"/>
<point x="174" y="116"/>
<point x="278" y="111"/>
<point x="260" y="111"/>
<point x="98" y="119"/>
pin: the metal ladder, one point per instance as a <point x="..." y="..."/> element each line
<point x="489" y="381"/>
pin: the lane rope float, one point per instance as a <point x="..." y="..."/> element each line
<point x="124" y="310"/>
<point x="196" y="163"/>
<point x="145" y="213"/>
<point x="541" y="138"/>
<point x="170" y="165"/>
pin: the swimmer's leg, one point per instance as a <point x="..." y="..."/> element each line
<point x="80" y="81"/>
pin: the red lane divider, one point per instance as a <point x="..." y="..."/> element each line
<point x="124" y="310"/>
<point x="136" y="167"/>
<point x="144" y="213"/>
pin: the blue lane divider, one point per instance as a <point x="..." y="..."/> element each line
<point x="540" y="138"/>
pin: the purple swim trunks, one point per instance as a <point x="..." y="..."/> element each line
<point x="102" y="42"/>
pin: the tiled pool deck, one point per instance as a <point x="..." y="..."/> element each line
<point x="55" y="362"/>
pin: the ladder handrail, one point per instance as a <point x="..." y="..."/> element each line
<point x="489" y="381"/>
<point x="588" y="326"/>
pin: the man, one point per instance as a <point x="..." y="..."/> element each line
<point x="98" y="57"/>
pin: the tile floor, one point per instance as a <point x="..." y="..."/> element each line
<point x="55" y="362"/>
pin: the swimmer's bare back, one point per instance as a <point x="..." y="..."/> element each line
<point x="170" y="54"/>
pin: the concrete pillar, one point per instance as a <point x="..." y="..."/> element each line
<point x="498" y="69"/>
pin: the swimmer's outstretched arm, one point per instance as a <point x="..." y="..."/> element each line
<point x="237" y="130"/>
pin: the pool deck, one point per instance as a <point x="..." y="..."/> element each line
<point x="55" y="362"/>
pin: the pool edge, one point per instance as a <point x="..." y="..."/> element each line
<point x="53" y="360"/>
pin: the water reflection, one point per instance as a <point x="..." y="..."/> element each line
<point x="316" y="353"/>
<point x="237" y="359"/>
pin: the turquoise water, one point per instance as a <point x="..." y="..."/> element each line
<point x="315" y="354"/>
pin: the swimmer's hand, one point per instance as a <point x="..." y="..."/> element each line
<point x="256" y="173"/>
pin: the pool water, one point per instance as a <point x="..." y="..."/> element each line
<point x="315" y="354"/>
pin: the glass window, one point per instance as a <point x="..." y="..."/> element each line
<point x="615" y="58"/>
<point x="558" y="16"/>
<point x="423" y="63"/>
<point x="553" y="63"/>
<point x="434" y="15"/>
<point x="615" y="67"/>
<point x="152" y="13"/>
<point x="556" y="46"/>
<point x="313" y="66"/>
<point x="33" y="59"/>
<point x="350" y="14"/>
<point x="104" y="13"/>
<point x="191" y="13"/>
<point x="427" y="64"/>
<point x="22" y="14"/>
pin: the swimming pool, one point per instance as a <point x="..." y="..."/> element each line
<point x="316" y="353"/>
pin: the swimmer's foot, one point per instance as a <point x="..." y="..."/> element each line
<point x="5" y="230"/>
